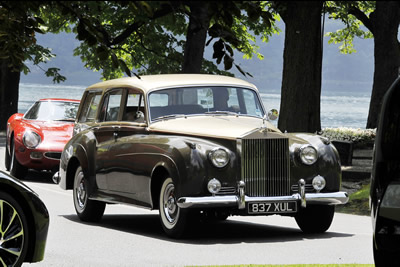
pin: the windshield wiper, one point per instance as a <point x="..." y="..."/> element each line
<point x="223" y="112"/>
<point x="172" y="116"/>
<point x="65" y="120"/>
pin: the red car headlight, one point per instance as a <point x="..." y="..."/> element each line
<point x="31" y="139"/>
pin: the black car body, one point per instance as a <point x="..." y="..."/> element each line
<point x="195" y="144"/>
<point x="385" y="182"/>
<point x="24" y="223"/>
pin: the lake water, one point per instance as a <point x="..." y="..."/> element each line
<point x="338" y="109"/>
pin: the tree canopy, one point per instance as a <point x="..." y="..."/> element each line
<point x="381" y="20"/>
<point x="121" y="38"/>
<point x="19" y="24"/>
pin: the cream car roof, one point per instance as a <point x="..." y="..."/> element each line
<point x="147" y="83"/>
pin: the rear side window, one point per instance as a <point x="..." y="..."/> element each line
<point x="111" y="106"/>
<point x="134" y="109"/>
<point x="90" y="106"/>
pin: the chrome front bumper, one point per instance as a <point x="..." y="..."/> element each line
<point x="335" y="198"/>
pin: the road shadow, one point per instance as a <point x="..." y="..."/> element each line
<point x="230" y="231"/>
<point x="38" y="177"/>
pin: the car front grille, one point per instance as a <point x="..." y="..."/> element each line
<point x="227" y="191"/>
<point x="265" y="167"/>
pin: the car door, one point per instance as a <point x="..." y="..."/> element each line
<point x="126" y="178"/>
<point x="105" y="132"/>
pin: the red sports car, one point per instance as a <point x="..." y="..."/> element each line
<point x="36" y="139"/>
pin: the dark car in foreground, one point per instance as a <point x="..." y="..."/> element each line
<point x="385" y="182"/>
<point x="195" y="144"/>
<point x="36" y="139"/>
<point x="24" y="223"/>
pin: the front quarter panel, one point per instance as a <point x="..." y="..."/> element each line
<point x="79" y="150"/>
<point x="327" y="165"/>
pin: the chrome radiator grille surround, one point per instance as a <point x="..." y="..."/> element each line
<point x="265" y="167"/>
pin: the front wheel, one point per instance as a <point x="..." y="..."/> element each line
<point x="13" y="231"/>
<point x="173" y="219"/>
<point x="87" y="210"/>
<point x="315" y="218"/>
<point x="16" y="169"/>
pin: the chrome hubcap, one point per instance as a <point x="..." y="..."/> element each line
<point x="170" y="207"/>
<point x="11" y="234"/>
<point x="81" y="191"/>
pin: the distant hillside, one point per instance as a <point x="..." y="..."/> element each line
<point x="340" y="72"/>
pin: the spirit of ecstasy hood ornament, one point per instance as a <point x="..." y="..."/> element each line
<point x="265" y="119"/>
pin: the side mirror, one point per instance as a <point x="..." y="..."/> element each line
<point x="273" y="114"/>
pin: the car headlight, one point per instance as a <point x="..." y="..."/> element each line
<point x="31" y="139"/>
<point x="308" y="154"/>
<point x="219" y="157"/>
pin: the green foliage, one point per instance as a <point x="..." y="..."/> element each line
<point x="349" y="134"/>
<point x="358" y="202"/>
<point x="233" y="30"/>
<point x="54" y="72"/>
<point x="148" y="37"/>
<point x="19" y="24"/>
<point x="349" y="13"/>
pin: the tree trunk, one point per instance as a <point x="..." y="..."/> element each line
<point x="199" y="22"/>
<point x="302" y="67"/>
<point x="385" y="21"/>
<point x="9" y="87"/>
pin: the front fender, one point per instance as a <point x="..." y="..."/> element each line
<point x="327" y="165"/>
<point x="77" y="151"/>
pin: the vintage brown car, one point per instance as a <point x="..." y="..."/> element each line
<point x="195" y="144"/>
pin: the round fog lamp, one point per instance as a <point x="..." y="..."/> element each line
<point x="318" y="183"/>
<point x="214" y="186"/>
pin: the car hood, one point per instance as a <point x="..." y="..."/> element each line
<point x="54" y="134"/>
<point x="228" y="127"/>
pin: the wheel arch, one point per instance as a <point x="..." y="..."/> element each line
<point x="78" y="158"/>
<point x="158" y="175"/>
<point x="73" y="164"/>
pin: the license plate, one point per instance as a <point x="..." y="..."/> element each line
<point x="271" y="207"/>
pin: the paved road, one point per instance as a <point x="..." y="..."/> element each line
<point x="128" y="236"/>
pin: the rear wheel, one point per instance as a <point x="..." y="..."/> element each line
<point x="315" y="218"/>
<point x="173" y="219"/>
<point x="16" y="169"/>
<point x="87" y="210"/>
<point x="13" y="231"/>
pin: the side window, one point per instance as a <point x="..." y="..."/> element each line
<point x="111" y="106"/>
<point x="89" y="109"/>
<point x="134" y="110"/>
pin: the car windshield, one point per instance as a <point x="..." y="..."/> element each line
<point x="52" y="110"/>
<point x="222" y="100"/>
